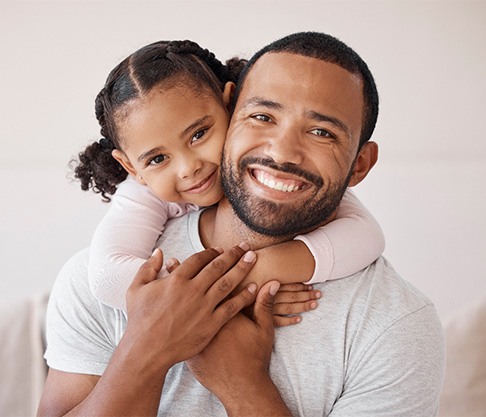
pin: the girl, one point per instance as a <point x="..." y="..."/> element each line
<point x="164" y="114"/>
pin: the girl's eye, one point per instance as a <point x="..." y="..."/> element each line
<point x="157" y="160"/>
<point x="198" y="135"/>
<point x="262" y="117"/>
<point x="322" y="132"/>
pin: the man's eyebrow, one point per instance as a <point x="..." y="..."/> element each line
<point x="259" y="101"/>
<point x="192" y="126"/>
<point x="319" y="117"/>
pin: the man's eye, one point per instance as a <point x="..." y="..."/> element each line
<point x="198" y="135"/>
<point x="322" y="132"/>
<point x="157" y="160"/>
<point x="262" y="117"/>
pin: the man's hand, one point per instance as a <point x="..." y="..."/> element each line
<point x="234" y="366"/>
<point x="175" y="317"/>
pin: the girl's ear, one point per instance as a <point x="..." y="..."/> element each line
<point x="228" y="90"/>
<point x="366" y="159"/>
<point x="125" y="163"/>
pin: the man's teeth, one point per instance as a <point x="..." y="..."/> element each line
<point x="280" y="186"/>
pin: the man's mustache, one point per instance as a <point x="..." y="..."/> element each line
<point x="285" y="167"/>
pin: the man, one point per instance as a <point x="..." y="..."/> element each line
<point x="304" y="112"/>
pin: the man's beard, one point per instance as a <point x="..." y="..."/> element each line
<point x="276" y="219"/>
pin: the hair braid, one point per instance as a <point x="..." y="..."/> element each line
<point x="190" y="47"/>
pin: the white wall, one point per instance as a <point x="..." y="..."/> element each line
<point x="429" y="60"/>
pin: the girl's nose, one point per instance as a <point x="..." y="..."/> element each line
<point x="188" y="167"/>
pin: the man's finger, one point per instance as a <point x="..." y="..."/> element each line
<point x="263" y="310"/>
<point x="149" y="269"/>
<point x="213" y="275"/>
<point x="228" y="309"/>
<point x="196" y="262"/>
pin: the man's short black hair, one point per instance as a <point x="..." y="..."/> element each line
<point x="327" y="48"/>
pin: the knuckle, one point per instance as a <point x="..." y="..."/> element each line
<point x="235" y="252"/>
<point x="218" y="266"/>
<point x="224" y="285"/>
<point x="230" y="308"/>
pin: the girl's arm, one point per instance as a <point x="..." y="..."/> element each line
<point x="342" y="247"/>
<point x="125" y="238"/>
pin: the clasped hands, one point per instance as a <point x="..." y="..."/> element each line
<point x="193" y="315"/>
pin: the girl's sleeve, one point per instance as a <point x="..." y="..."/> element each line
<point x="125" y="238"/>
<point x="347" y="244"/>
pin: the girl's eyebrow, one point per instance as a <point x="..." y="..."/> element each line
<point x="148" y="154"/>
<point x="199" y="122"/>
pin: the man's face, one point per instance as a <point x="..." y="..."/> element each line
<point x="291" y="143"/>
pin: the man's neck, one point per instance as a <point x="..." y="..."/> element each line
<point x="220" y="226"/>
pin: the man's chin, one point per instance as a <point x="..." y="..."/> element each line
<point x="276" y="220"/>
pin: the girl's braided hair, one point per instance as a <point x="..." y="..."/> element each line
<point x="135" y="76"/>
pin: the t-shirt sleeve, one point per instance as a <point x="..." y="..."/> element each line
<point x="125" y="238"/>
<point x="400" y="373"/>
<point x="346" y="245"/>
<point x="81" y="332"/>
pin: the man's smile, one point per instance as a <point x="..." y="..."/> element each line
<point x="278" y="181"/>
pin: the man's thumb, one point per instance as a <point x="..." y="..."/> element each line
<point x="263" y="309"/>
<point x="150" y="268"/>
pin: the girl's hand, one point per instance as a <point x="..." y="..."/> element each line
<point x="291" y="300"/>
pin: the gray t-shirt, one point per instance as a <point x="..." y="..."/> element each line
<point x="373" y="347"/>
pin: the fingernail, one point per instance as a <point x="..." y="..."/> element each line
<point x="220" y="250"/>
<point x="249" y="257"/>
<point x="244" y="245"/>
<point x="170" y="262"/>
<point x="313" y="305"/>
<point x="274" y="288"/>
<point x="252" y="287"/>
<point x="155" y="251"/>
<point x="318" y="294"/>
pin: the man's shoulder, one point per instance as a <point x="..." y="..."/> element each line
<point x="378" y="298"/>
<point x="71" y="293"/>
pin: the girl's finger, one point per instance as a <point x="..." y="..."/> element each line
<point x="294" y="308"/>
<point x="296" y="286"/>
<point x="281" y="321"/>
<point x="297" y="297"/>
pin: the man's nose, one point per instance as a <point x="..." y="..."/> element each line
<point x="285" y="146"/>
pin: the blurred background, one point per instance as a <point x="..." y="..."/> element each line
<point x="429" y="61"/>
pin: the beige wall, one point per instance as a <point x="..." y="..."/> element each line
<point x="429" y="61"/>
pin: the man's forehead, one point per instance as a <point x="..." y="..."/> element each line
<point x="273" y="67"/>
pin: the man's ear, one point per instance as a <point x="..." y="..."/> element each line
<point x="228" y="91"/>
<point x="366" y="159"/>
<point x="125" y="163"/>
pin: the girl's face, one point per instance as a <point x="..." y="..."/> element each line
<point x="172" y="141"/>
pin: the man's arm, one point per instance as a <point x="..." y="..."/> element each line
<point x="235" y="365"/>
<point x="169" y="320"/>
